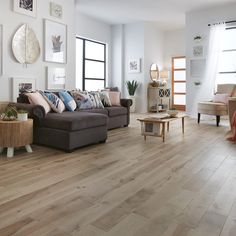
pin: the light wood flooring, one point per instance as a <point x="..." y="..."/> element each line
<point x="183" y="187"/>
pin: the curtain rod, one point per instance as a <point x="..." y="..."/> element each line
<point x="226" y="22"/>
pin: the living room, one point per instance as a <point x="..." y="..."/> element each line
<point x="93" y="173"/>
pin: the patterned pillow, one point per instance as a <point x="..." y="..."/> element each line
<point x="115" y="98"/>
<point x="69" y="102"/>
<point x="54" y="101"/>
<point x="37" y="99"/>
<point x="82" y="99"/>
<point x="95" y="99"/>
<point x="104" y="96"/>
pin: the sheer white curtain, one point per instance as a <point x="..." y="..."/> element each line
<point x="214" y="50"/>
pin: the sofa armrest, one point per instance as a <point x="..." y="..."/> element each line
<point x="34" y="111"/>
<point x="126" y="102"/>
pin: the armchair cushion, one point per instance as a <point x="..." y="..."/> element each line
<point x="212" y="108"/>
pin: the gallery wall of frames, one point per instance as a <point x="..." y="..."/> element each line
<point x="37" y="46"/>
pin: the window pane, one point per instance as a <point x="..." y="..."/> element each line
<point x="179" y="75"/>
<point x="179" y="63"/>
<point x="179" y="87"/>
<point x="226" y="78"/>
<point x="94" y="51"/>
<point x="229" y="39"/>
<point x="94" y="85"/>
<point x="179" y="99"/>
<point x="79" y="63"/>
<point x="94" y="69"/>
<point x="227" y="61"/>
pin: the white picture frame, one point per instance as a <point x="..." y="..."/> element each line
<point x="56" y="78"/>
<point x="134" y="66"/>
<point x="55" y="42"/>
<point x="1" y="50"/>
<point x="56" y="10"/>
<point x="21" y="85"/>
<point x="24" y="7"/>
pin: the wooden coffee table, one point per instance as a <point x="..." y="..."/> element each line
<point x="16" y="134"/>
<point x="155" y="126"/>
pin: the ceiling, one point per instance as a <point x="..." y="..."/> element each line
<point x="168" y="14"/>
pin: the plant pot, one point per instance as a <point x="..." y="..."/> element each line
<point x="133" y="107"/>
<point x="22" y="116"/>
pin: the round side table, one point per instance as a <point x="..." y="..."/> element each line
<point x="16" y="134"/>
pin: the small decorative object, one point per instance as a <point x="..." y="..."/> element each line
<point x="164" y="75"/>
<point x="172" y="112"/>
<point x="198" y="38"/>
<point x="198" y="51"/>
<point x="1" y="50"/>
<point x="22" y="115"/>
<point x="22" y="86"/>
<point x="134" y="66"/>
<point x="26" y="7"/>
<point x="197" y="83"/>
<point x="131" y="87"/>
<point x="55" y="42"/>
<point x="56" y="78"/>
<point x="9" y="114"/>
<point x="25" y="45"/>
<point x="55" y="10"/>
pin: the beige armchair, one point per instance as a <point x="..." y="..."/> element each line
<point x="215" y="108"/>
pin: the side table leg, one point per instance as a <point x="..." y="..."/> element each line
<point x="1" y="149"/>
<point x="163" y="131"/>
<point x="28" y="148"/>
<point x="10" y="152"/>
<point x="183" y="125"/>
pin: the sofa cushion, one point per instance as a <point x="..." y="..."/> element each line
<point x="73" y="121"/>
<point x="69" y="102"/>
<point x="116" y="111"/>
<point x="96" y="110"/>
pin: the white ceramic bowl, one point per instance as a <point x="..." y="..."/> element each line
<point x="172" y="113"/>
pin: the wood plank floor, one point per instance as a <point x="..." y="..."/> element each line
<point x="127" y="186"/>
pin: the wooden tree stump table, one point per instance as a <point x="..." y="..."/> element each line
<point x="16" y="134"/>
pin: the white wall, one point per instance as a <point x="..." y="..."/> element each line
<point x="197" y="23"/>
<point x="11" y="21"/>
<point x="87" y="27"/>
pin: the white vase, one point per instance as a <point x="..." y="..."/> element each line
<point x="133" y="107"/>
<point x="22" y="116"/>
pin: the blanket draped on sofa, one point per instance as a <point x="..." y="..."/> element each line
<point x="233" y="135"/>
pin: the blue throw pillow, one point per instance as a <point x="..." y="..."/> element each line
<point x="69" y="102"/>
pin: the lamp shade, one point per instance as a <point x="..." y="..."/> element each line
<point x="164" y="74"/>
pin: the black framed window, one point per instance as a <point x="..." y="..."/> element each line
<point x="90" y="64"/>
<point x="227" y="60"/>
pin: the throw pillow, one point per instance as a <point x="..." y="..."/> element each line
<point x="69" y="102"/>
<point x="221" y="98"/>
<point x="104" y="96"/>
<point x="54" y="101"/>
<point x="82" y="99"/>
<point x="114" y="98"/>
<point x="37" y="99"/>
<point x="95" y="99"/>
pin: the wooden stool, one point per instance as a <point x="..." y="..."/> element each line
<point x="16" y="134"/>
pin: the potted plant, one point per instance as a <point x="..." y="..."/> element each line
<point x="22" y="115"/>
<point x="132" y="87"/>
<point x="9" y="114"/>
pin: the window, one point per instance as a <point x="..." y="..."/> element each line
<point x="179" y="83"/>
<point x="90" y="64"/>
<point x="227" y="60"/>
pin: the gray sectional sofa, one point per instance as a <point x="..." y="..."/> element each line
<point x="71" y="130"/>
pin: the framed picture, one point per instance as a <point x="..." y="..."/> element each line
<point x="55" y="10"/>
<point x="198" y="51"/>
<point x="21" y="85"/>
<point x="56" y="78"/>
<point x="1" y="47"/>
<point x="134" y="66"/>
<point x="26" y="7"/>
<point x="55" y="41"/>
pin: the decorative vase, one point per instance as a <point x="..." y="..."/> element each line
<point x="22" y="116"/>
<point x="133" y="98"/>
